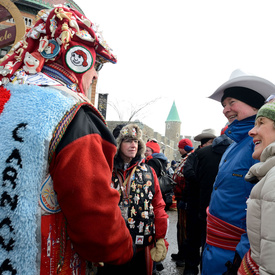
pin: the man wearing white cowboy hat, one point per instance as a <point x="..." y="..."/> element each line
<point x="241" y="97"/>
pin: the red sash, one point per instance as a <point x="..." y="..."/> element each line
<point x="248" y="266"/>
<point x="222" y="234"/>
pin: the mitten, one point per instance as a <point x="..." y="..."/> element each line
<point x="158" y="253"/>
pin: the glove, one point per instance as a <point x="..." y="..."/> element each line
<point x="232" y="268"/>
<point x="158" y="253"/>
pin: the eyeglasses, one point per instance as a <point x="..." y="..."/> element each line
<point x="98" y="66"/>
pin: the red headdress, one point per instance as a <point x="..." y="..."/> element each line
<point x="69" y="31"/>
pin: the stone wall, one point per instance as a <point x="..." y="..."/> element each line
<point x="168" y="147"/>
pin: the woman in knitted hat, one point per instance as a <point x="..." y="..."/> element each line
<point x="226" y="244"/>
<point x="141" y="204"/>
<point x="58" y="211"/>
<point x="261" y="203"/>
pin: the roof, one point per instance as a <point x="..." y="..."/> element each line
<point x="173" y="114"/>
<point x="47" y="4"/>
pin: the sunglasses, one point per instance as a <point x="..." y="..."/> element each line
<point x="98" y="66"/>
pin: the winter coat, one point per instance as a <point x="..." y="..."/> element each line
<point x="260" y="211"/>
<point x="56" y="160"/>
<point x="230" y="192"/>
<point x="160" y="218"/>
<point x="142" y="188"/>
<point x="151" y="160"/>
<point x="208" y="162"/>
<point x="179" y="179"/>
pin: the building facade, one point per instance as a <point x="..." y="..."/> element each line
<point x="169" y="142"/>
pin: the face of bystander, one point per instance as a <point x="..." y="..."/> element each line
<point x="182" y="151"/>
<point x="236" y="109"/>
<point x="263" y="134"/>
<point x="209" y="142"/>
<point x="148" y="152"/>
<point x="128" y="149"/>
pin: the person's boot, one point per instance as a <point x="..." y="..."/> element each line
<point x="177" y="257"/>
<point x="159" y="266"/>
<point x="180" y="263"/>
<point x="191" y="270"/>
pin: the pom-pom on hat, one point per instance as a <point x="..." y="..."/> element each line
<point x="246" y="87"/>
<point x="186" y="144"/>
<point x="61" y="34"/>
<point x="153" y="145"/>
<point x="131" y="131"/>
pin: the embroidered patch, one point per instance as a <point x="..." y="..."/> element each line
<point x="139" y="239"/>
<point x="51" y="50"/>
<point x="148" y="176"/>
<point x="42" y="80"/>
<point x="48" y="199"/>
<point x="79" y="59"/>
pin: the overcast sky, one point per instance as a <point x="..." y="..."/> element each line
<point x="183" y="51"/>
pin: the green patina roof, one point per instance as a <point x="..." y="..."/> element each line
<point x="173" y="114"/>
<point x="28" y="5"/>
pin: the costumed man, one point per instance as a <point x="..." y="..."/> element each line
<point x="186" y="148"/>
<point x="226" y="242"/>
<point x="58" y="212"/>
<point x="141" y="204"/>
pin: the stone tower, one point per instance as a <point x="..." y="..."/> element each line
<point x="173" y="124"/>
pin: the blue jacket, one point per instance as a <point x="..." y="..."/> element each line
<point x="230" y="192"/>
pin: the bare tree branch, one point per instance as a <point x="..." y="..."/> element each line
<point x="134" y="109"/>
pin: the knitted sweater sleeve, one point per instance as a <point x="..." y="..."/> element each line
<point x="81" y="172"/>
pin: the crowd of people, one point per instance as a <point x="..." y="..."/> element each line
<point x="79" y="199"/>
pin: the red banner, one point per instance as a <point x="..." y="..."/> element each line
<point x="4" y="14"/>
<point x="7" y="36"/>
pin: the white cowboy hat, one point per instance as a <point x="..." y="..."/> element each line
<point x="207" y="133"/>
<point x="240" y="79"/>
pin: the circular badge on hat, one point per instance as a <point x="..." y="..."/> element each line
<point x="51" y="50"/>
<point x="79" y="59"/>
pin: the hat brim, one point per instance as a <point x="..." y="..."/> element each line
<point x="258" y="84"/>
<point x="204" y="135"/>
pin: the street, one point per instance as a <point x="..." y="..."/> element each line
<point x="170" y="267"/>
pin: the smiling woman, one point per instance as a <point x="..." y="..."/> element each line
<point x="241" y="96"/>
<point x="263" y="134"/>
<point x="261" y="203"/>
